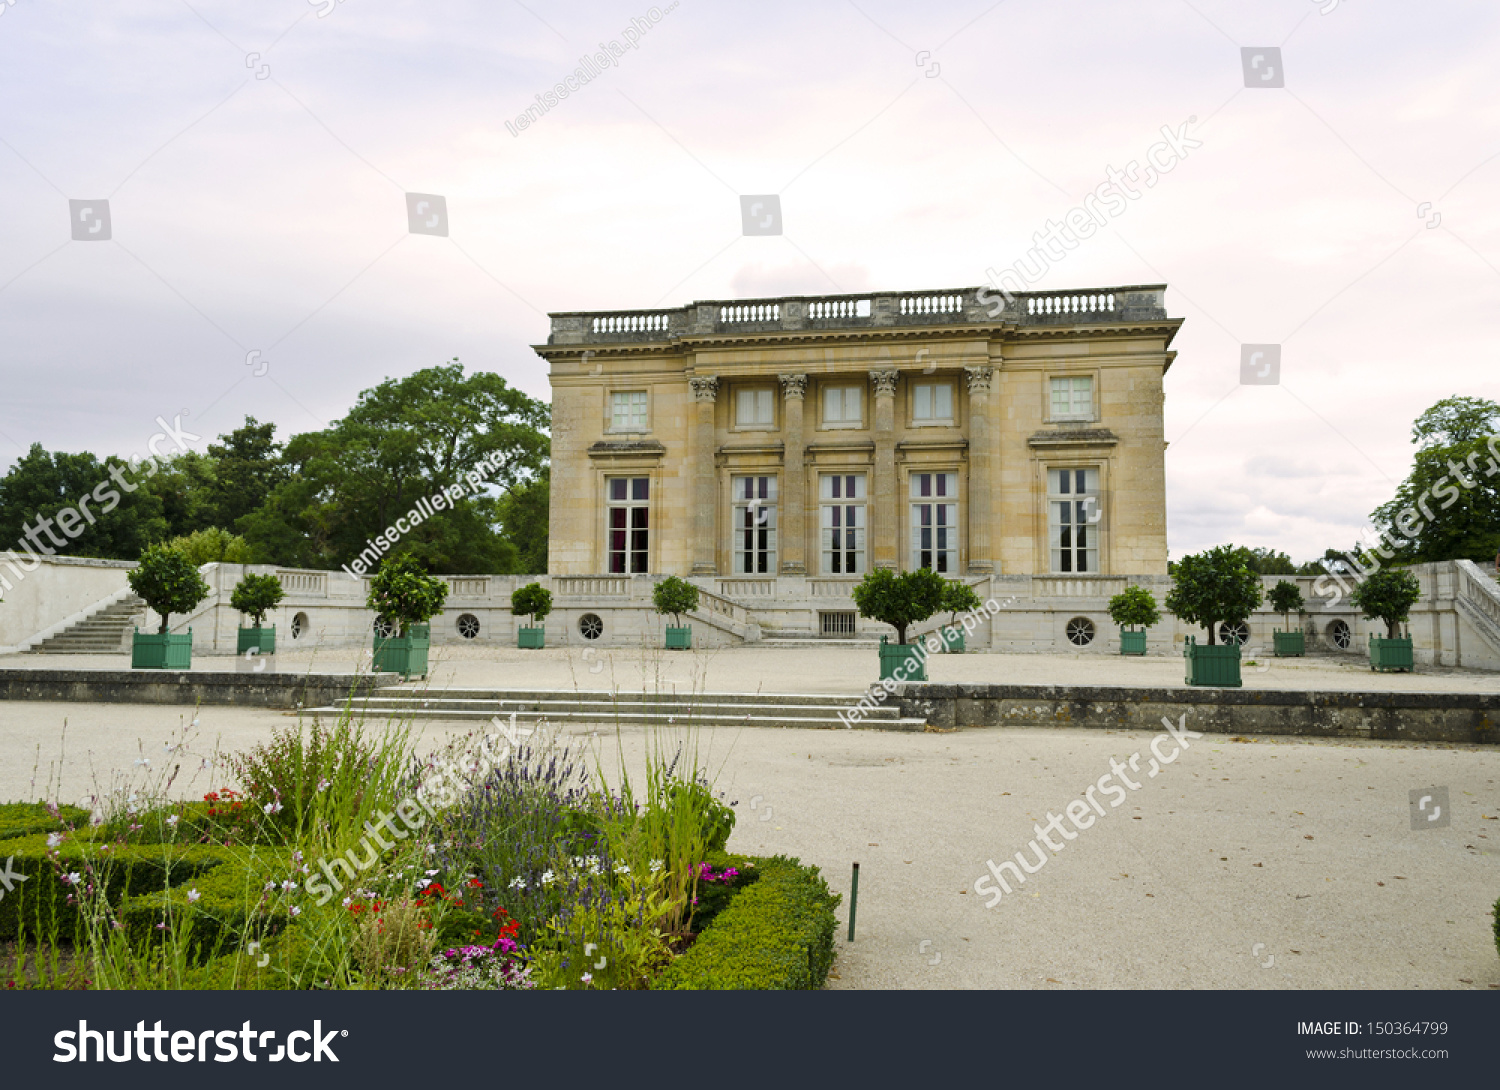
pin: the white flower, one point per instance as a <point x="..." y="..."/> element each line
<point x="139" y="761"/>
<point x="323" y="785"/>
<point x="423" y="883"/>
<point x="432" y="874"/>
<point x="193" y="895"/>
<point x="547" y="877"/>
<point x="172" y="821"/>
<point x="588" y="978"/>
<point x="348" y="901"/>
<point x="273" y="807"/>
<point x="622" y="868"/>
<point x="297" y="856"/>
<point x="294" y="912"/>
<point x="656" y="865"/>
<point x="269" y="887"/>
<point x="288" y="886"/>
<point x="72" y="878"/>
<point x="518" y="882"/>
<point x="54" y="839"/>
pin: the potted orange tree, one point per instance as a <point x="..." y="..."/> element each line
<point x="1286" y="599"/>
<point x="676" y="596"/>
<point x="404" y="597"/>
<point x="1212" y="588"/>
<point x="1134" y="610"/>
<point x="170" y="583"/>
<point x="1388" y="595"/>
<point x="257" y="595"/>
<point x="534" y="601"/>
<point x="899" y="601"/>
<point x="958" y="597"/>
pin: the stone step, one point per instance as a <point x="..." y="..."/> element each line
<point x="827" y="721"/>
<point x="605" y="709"/>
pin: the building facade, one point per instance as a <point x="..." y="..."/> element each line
<point x="820" y="437"/>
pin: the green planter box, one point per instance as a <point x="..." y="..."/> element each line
<point x="262" y="639"/>
<point x="1132" y="641"/>
<point x="161" y="650"/>
<point x="953" y="641"/>
<point x="405" y="655"/>
<point x="1212" y="664"/>
<point x="680" y="639"/>
<point x="1388" y="655"/>
<point x="1290" y="644"/>
<point x="533" y="639"/>
<point x="892" y="655"/>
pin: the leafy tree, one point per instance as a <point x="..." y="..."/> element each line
<point x="184" y="484"/>
<point x="1286" y="599"/>
<point x="1134" y="607"/>
<point x="523" y="513"/>
<point x="168" y="581"/>
<point x="257" y="595"/>
<point x="535" y="601"/>
<point x="1214" y="587"/>
<point x="1448" y="508"/>
<point x="900" y="600"/>
<point x="1388" y="595"/>
<point x="1265" y="561"/>
<point x="113" y="518"/>
<point x="406" y="440"/>
<point x="247" y="466"/>
<point x="402" y="592"/>
<point x="212" y="546"/>
<point x="959" y="597"/>
<point x="675" y="596"/>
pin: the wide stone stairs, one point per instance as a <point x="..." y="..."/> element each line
<point x="103" y="633"/>
<point x="594" y="709"/>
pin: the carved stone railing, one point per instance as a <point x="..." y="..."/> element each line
<point x="591" y="586"/>
<point x="1076" y="586"/>
<point x="304" y="584"/>
<point x="469" y="586"/>
<point x="747" y="588"/>
<point x="1477" y="597"/>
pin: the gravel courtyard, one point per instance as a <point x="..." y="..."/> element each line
<point x="1247" y="863"/>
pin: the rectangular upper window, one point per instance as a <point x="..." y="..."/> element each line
<point x="1073" y="398"/>
<point x="754" y="408"/>
<point x="628" y="410"/>
<point x="843" y="406"/>
<point x="932" y="402"/>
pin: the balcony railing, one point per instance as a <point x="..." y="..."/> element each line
<point x="959" y="306"/>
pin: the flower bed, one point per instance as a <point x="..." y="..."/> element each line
<point x="342" y="861"/>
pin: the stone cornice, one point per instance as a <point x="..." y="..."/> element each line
<point x="1073" y="437"/>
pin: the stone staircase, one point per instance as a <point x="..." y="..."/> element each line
<point x="106" y="632"/>
<point x="605" y="709"/>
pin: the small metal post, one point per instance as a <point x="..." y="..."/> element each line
<point x="853" y="900"/>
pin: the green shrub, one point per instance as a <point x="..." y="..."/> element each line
<point x="1213" y="587"/>
<point x="900" y="600"/>
<point x="1286" y="599"/>
<point x="232" y="907"/>
<point x="40" y="907"/>
<point x="257" y="595"/>
<point x="959" y="597"/>
<point x="18" y="819"/>
<point x="675" y="596"/>
<point x="1134" y="607"/>
<point x="776" y="934"/>
<point x="533" y="600"/>
<point x="714" y="897"/>
<point x="716" y="820"/>
<point x="1388" y="595"/>
<point x="213" y="545"/>
<point x="402" y="592"/>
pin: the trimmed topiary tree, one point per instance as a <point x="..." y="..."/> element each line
<point x="900" y="600"/>
<point x="1134" y="610"/>
<point x="168" y="581"/>
<point x="958" y="597"/>
<point x="674" y="596"/>
<point x="1388" y="595"/>
<point x="1286" y="599"/>
<point x="257" y="595"/>
<point x="402" y="592"/>
<point x="533" y="600"/>
<point x="1214" y="587"/>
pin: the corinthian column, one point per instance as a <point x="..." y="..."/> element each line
<point x="705" y="556"/>
<point x="983" y="436"/>
<point x="885" y="514"/>
<point x="793" y="527"/>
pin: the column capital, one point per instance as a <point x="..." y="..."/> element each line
<point x="980" y="378"/>
<point x="705" y="387"/>
<point x="793" y="386"/>
<point x="885" y="382"/>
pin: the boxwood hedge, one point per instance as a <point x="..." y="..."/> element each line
<point x="776" y="934"/>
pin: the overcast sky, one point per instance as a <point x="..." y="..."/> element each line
<point x="255" y="159"/>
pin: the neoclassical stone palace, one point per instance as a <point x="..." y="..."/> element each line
<point x="821" y="437"/>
